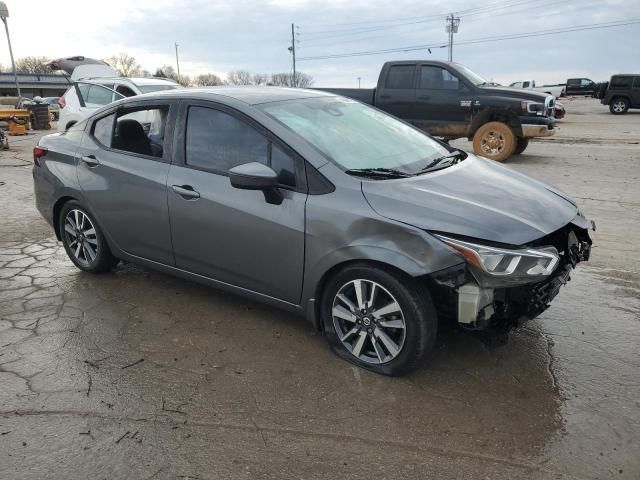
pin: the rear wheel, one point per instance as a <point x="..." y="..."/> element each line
<point x="495" y="140"/>
<point x="619" y="105"/>
<point x="521" y="145"/>
<point x="82" y="239"/>
<point x="378" y="320"/>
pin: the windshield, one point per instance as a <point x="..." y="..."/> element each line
<point x="157" y="88"/>
<point x="356" y="136"/>
<point x="472" y="76"/>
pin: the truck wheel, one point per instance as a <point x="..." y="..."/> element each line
<point x="521" y="146"/>
<point x="619" y="105"/>
<point x="494" y="140"/>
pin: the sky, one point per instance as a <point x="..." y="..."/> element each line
<point x="254" y="35"/>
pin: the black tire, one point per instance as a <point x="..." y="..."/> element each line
<point x="619" y="105"/>
<point x="417" y="310"/>
<point x="521" y="146"/>
<point x="103" y="260"/>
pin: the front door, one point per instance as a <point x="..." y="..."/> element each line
<point x="122" y="170"/>
<point x="231" y="235"/>
<point x="443" y="103"/>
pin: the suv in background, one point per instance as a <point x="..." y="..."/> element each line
<point x="87" y="95"/>
<point x="621" y="93"/>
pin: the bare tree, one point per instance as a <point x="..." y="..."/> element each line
<point x="283" y="79"/>
<point x="32" y="65"/>
<point x="185" y="80"/>
<point x="125" y="64"/>
<point x="260" y="79"/>
<point x="166" y="71"/>
<point x="239" y="77"/>
<point x="208" y="80"/>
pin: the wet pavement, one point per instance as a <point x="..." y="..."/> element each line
<point x="136" y="374"/>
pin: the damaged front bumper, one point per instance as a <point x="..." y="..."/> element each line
<point x="493" y="311"/>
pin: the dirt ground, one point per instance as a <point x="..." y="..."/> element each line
<point x="138" y="375"/>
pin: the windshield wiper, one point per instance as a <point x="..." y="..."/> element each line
<point x="454" y="157"/>
<point x="378" y="172"/>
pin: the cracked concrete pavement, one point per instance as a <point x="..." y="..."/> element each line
<point x="136" y="374"/>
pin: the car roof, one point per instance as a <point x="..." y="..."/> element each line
<point x="248" y="95"/>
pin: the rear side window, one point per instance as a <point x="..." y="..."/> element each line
<point x="219" y="141"/>
<point x="400" y="76"/>
<point x="141" y="131"/>
<point x="621" y="82"/>
<point x="103" y="130"/>
<point x="573" y="81"/>
<point x="437" y="78"/>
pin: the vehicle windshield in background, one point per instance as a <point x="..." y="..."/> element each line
<point x="358" y="137"/>
<point x="156" y="88"/>
<point x="473" y="77"/>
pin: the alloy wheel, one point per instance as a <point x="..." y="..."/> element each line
<point x="80" y="236"/>
<point x="619" y="106"/>
<point x="369" y="321"/>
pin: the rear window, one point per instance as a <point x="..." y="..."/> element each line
<point x="621" y="82"/>
<point x="400" y="76"/>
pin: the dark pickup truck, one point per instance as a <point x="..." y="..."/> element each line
<point x="450" y="101"/>
<point x="580" y="86"/>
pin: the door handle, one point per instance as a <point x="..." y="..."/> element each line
<point x="90" y="160"/>
<point x="186" y="191"/>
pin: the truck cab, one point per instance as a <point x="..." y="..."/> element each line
<point x="580" y="86"/>
<point x="448" y="100"/>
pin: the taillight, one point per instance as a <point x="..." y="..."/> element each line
<point x="61" y="102"/>
<point x="38" y="153"/>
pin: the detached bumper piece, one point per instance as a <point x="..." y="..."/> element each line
<point x="491" y="314"/>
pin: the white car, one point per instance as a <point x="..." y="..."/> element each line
<point x="87" y="95"/>
<point x="555" y="90"/>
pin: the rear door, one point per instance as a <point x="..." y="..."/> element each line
<point x="122" y="169"/>
<point x="573" y="86"/>
<point x="231" y="235"/>
<point x="397" y="93"/>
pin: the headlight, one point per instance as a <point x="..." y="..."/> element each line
<point x="532" y="107"/>
<point x="501" y="267"/>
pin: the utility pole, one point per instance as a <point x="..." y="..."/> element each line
<point x="292" y="49"/>
<point x="358" y="82"/>
<point x="4" y="14"/>
<point x="177" y="62"/>
<point x="452" y="27"/>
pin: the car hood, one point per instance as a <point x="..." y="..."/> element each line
<point x="476" y="198"/>
<point x="516" y="93"/>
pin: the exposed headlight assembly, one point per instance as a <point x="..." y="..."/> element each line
<point x="499" y="267"/>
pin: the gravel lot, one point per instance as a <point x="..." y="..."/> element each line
<point x="135" y="374"/>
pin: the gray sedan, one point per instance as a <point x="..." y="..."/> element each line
<point x="317" y="204"/>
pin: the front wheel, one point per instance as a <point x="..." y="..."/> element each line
<point x="494" y="140"/>
<point x="82" y="239"/>
<point x="521" y="146"/>
<point x="619" y="106"/>
<point x="378" y="319"/>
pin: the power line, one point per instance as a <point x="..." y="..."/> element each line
<point x="540" y="33"/>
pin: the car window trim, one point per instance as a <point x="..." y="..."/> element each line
<point x="143" y="105"/>
<point x="270" y="137"/>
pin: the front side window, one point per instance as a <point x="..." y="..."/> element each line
<point x="585" y="82"/>
<point x="516" y="85"/>
<point x="140" y="131"/>
<point x="636" y="83"/>
<point x="355" y="136"/>
<point x="437" y="78"/>
<point x="400" y="76"/>
<point x="219" y="141"/>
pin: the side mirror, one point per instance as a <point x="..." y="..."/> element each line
<point x="256" y="176"/>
